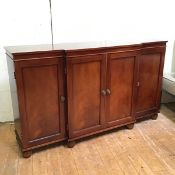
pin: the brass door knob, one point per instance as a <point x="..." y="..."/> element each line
<point x="103" y="92"/>
<point x="62" y="98"/>
<point x="108" y="91"/>
<point x="138" y="84"/>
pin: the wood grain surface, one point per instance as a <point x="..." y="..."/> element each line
<point x="147" y="149"/>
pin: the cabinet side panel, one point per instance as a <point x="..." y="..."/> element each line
<point x="149" y="65"/>
<point x="14" y="96"/>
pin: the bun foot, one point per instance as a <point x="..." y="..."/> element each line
<point x="154" y="117"/>
<point x="71" y="144"/>
<point x="27" y="154"/>
<point x="130" y="126"/>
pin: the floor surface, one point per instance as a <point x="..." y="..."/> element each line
<point x="149" y="149"/>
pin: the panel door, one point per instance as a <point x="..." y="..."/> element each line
<point x="85" y="81"/>
<point x="40" y="85"/>
<point x="120" y="88"/>
<point x="149" y="83"/>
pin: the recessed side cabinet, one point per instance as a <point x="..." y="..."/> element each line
<point x="66" y="94"/>
<point x="149" y="78"/>
<point x="41" y="96"/>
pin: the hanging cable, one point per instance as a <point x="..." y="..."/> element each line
<point x="51" y="25"/>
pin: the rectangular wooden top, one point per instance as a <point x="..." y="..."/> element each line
<point x="71" y="47"/>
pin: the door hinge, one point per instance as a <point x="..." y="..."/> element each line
<point x="65" y="70"/>
<point x="14" y="75"/>
<point x="138" y="84"/>
<point x="67" y="127"/>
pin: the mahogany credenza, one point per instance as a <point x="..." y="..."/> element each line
<point x="70" y="91"/>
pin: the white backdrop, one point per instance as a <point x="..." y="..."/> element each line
<point x="125" y="21"/>
<point x="120" y="20"/>
<point x="22" y="22"/>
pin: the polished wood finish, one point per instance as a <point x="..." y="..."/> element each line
<point x="41" y="85"/>
<point x="120" y="81"/>
<point x="67" y="92"/>
<point x="150" y="70"/>
<point x="40" y="88"/>
<point x="86" y="80"/>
